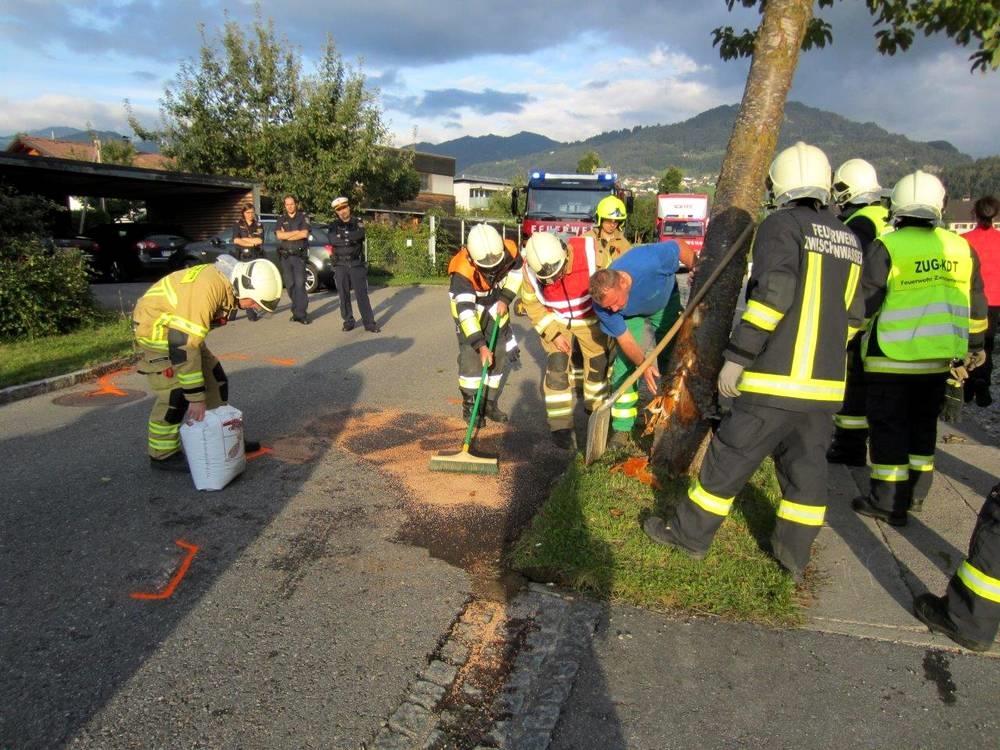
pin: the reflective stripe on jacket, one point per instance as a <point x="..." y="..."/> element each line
<point x="923" y="322"/>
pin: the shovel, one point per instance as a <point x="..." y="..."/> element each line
<point x="600" y="419"/>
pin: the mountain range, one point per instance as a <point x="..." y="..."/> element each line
<point x="697" y="146"/>
<point x="64" y="133"/>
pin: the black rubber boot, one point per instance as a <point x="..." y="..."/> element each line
<point x="563" y="439"/>
<point x="932" y="611"/>
<point x="173" y="462"/>
<point x="660" y="532"/>
<point x="865" y="507"/>
<point x="494" y="414"/>
<point x="467" y="404"/>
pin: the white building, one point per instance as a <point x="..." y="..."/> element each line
<point x="474" y="192"/>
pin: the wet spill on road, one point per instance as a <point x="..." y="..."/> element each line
<point x="936" y="670"/>
<point x="464" y="519"/>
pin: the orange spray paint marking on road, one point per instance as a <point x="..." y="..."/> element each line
<point x="637" y="468"/>
<point x="234" y="356"/>
<point x="106" y="386"/>
<point x="167" y="592"/>
<point x="264" y="450"/>
<point x="282" y="362"/>
<point x="454" y="401"/>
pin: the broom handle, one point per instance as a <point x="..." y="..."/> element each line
<point x="692" y="303"/>
<point x="480" y="389"/>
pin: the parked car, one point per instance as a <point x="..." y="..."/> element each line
<point x="140" y="248"/>
<point x="319" y="267"/>
<point x="87" y="247"/>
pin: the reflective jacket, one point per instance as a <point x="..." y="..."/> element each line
<point x="803" y="305"/>
<point x="173" y="318"/>
<point x="924" y="293"/>
<point x="566" y="303"/>
<point x="608" y="248"/>
<point x="474" y="295"/>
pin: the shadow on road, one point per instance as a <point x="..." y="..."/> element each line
<point x="87" y="523"/>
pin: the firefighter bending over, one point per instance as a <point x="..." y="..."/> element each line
<point x="171" y="321"/>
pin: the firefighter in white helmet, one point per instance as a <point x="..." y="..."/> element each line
<point x="857" y="191"/>
<point x="485" y="280"/>
<point x="784" y="367"/>
<point x="926" y="308"/>
<point x="556" y="296"/>
<point x="171" y="321"/>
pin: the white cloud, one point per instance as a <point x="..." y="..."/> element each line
<point x="60" y="109"/>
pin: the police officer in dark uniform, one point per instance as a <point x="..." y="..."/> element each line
<point x="784" y="368"/>
<point x="248" y="235"/>
<point x="347" y="235"/>
<point x="292" y="232"/>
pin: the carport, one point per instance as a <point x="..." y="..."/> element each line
<point x="201" y="205"/>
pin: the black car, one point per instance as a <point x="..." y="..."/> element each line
<point x="137" y="249"/>
<point x="319" y="267"/>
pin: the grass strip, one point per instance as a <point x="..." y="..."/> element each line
<point x="588" y="536"/>
<point x="108" y="338"/>
<point x="402" y="280"/>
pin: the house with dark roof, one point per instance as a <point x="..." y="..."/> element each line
<point x="31" y="145"/>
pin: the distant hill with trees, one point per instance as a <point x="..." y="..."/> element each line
<point x="472" y="149"/>
<point x="696" y="146"/>
<point x="973" y="180"/>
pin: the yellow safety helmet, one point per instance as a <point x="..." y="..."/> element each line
<point x="612" y="208"/>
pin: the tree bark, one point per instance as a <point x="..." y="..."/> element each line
<point x="689" y="390"/>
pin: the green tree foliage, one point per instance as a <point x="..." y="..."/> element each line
<point x="641" y="223"/>
<point x="246" y="108"/>
<point x="981" y="177"/>
<point x="671" y="181"/>
<point x="974" y="23"/>
<point x="42" y="291"/>
<point x="786" y="27"/>
<point x="588" y="163"/>
<point x="118" y="152"/>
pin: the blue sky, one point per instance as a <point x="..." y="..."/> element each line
<point x="567" y="69"/>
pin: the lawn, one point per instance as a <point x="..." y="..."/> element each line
<point x="109" y="338"/>
<point x="588" y="536"/>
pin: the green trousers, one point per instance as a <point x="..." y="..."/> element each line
<point x="625" y="410"/>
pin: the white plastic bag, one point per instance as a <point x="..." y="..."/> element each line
<point x="214" y="448"/>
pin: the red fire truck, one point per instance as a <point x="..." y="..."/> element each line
<point x="564" y="204"/>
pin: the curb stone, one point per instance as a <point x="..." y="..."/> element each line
<point x="499" y="679"/>
<point x="58" y="382"/>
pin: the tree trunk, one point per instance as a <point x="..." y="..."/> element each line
<point x="689" y="391"/>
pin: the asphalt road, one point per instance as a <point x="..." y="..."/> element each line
<point x="300" y="621"/>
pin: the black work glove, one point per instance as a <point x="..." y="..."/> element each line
<point x="951" y="406"/>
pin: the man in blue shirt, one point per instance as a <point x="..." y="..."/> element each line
<point x="636" y="291"/>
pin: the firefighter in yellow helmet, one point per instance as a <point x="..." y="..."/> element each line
<point x="485" y="280"/>
<point x="926" y="308"/>
<point x="607" y="231"/>
<point x="171" y="321"/>
<point x="857" y="191"/>
<point x="556" y="295"/>
<point x="784" y="367"/>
